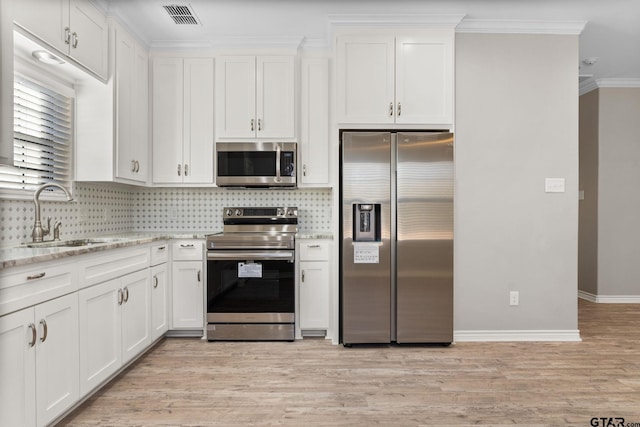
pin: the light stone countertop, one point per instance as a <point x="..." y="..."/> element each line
<point x="22" y="255"/>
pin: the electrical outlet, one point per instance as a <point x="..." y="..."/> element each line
<point x="514" y="298"/>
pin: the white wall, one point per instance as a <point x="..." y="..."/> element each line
<point x="618" y="192"/>
<point x="588" y="207"/>
<point x="516" y="124"/>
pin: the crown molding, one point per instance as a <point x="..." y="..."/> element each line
<point x="389" y="21"/>
<point x="252" y="42"/>
<point x="590" y="85"/>
<point x="587" y="87"/>
<point x="510" y="26"/>
<point x="618" y="82"/>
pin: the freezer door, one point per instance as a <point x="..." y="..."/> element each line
<point x="424" y="282"/>
<point x="366" y="271"/>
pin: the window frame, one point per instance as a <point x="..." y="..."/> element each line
<point x="66" y="88"/>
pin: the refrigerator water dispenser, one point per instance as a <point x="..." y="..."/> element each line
<point x="366" y="222"/>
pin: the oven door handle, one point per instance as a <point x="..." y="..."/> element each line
<point x="251" y="255"/>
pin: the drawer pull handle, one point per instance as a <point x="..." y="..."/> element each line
<point x="313" y="246"/>
<point x="45" y="330"/>
<point x="190" y="245"/>
<point x="34" y="335"/>
<point x="36" y="276"/>
<point x="162" y="248"/>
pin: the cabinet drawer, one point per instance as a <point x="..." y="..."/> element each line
<point x="313" y="250"/>
<point x="159" y="253"/>
<point x="187" y="250"/>
<point x="25" y="286"/>
<point x="116" y="263"/>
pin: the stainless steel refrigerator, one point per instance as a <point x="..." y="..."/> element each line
<point x="396" y="256"/>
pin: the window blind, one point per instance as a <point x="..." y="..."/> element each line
<point x="42" y="136"/>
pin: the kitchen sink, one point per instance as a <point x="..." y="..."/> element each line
<point x="72" y="243"/>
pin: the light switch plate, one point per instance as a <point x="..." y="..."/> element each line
<point x="554" y="185"/>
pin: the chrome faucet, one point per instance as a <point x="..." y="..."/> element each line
<point x="38" y="232"/>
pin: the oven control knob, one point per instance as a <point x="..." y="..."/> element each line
<point x="229" y="212"/>
<point x="238" y="212"/>
<point x="280" y="212"/>
<point x="291" y="212"/>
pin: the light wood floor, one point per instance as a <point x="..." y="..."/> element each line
<point x="188" y="382"/>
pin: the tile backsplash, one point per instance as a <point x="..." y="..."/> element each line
<point x="106" y="208"/>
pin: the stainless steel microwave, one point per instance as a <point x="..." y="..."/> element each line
<point x="256" y="164"/>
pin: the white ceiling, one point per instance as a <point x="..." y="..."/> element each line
<point x="611" y="34"/>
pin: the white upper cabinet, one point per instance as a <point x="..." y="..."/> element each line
<point x="75" y="28"/>
<point x="112" y="120"/>
<point x="365" y="79"/>
<point x="396" y="79"/>
<point x="314" y="117"/>
<point x="132" y="106"/>
<point x="255" y="97"/>
<point x="183" y="120"/>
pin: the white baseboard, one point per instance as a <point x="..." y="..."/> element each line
<point x="525" y="335"/>
<point x="609" y="299"/>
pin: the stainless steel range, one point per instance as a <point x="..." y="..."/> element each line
<point x="251" y="275"/>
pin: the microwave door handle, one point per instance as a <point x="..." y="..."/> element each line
<point x="278" y="150"/>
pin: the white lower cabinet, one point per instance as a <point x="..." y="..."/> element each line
<point x="187" y="284"/>
<point x="188" y="295"/>
<point x="314" y="285"/>
<point x="39" y="369"/>
<point x="115" y="326"/>
<point x="136" y="314"/>
<point x="159" y="301"/>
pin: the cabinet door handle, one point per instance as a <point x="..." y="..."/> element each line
<point x="186" y="169"/>
<point x="391" y="109"/>
<point x="259" y="124"/>
<point x="199" y="276"/>
<point x="304" y="170"/>
<point x="303" y="275"/>
<point x="126" y="294"/>
<point x="36" y="276"/>
<point x="120" y="297"/>
<point x="34" y="334"/>
<point x="155" y="282"/>
<point x="45" y="330"/>
<point x="74" y="36"/>
<point x="399" y="109"/>
<point x="179" y="170"/>
<point x="137" y="166"/>
<point x="67" y="35"/>
<point x="133" y="166"/>
<point x="252" y="121"/>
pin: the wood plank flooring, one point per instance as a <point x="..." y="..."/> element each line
<point x="188" y="382"/>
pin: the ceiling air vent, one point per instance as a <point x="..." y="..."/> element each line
<point x="181" y="14"/>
